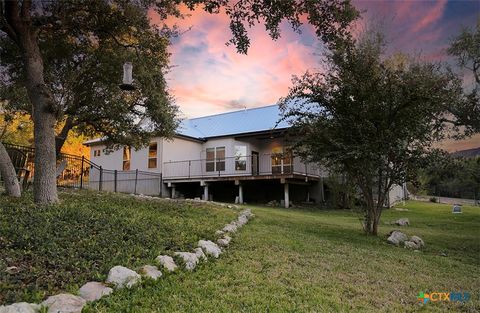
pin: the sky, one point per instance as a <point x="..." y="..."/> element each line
<point x="209" y="77"/>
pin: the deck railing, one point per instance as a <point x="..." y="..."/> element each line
<point x="251" y="165"/>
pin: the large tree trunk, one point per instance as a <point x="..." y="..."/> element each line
<point x="45" y="181"/>
<point x="18" y="26"/>
<point x="12" y="187"/>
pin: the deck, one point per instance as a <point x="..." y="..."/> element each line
<point x="253" y="167"/>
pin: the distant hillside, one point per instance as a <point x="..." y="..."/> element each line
<point x="469" y="153"/>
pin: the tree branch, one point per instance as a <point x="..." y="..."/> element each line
<point x="25" y="12"/>
<point x="6" y="11"/>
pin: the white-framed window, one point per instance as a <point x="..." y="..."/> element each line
<point x="127" y="153"/>
<point x="96" y="152"/>
<point x="282" y="160"/>
<point x="240" y="158"/>
<point x="152" y="155"/>
<point x="215" y="160"/>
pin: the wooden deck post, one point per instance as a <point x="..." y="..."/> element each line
<point x="240" y="193"/>
<point x="287" y="195"/>
<point x="173" y="191"/>
<point x="205" y="192"/>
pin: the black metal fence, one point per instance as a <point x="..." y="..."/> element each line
<point x="75" y="171"/>
<point x="72" y="170"/>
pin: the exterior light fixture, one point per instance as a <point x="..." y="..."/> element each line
<point x="127" y="83"/>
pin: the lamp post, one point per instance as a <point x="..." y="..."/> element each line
<point x="127" y="83"/>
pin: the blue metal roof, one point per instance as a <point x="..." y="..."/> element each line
<point x="233" y="123"/>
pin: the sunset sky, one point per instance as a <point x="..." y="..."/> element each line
<point x="209" y="77"/>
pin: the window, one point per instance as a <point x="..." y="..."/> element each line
<point x="210" y="162"/>
<point x="215" y="160"/>
<point x="126" y="158"/>
<point x="281" y="161"/>
<point x="96" y="153"/>
<point x="152" y="155"/>
<point x="240" y="158"/>
<point x="220" y="156"/>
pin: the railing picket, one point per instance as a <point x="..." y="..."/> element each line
<point x="81" y="172"/>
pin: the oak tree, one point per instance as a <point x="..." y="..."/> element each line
<point x="370" y="117"/>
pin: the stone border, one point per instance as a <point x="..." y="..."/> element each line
<point x="123" y="277"/>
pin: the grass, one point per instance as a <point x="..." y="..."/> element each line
<point x="59" y="248"/>
<point x="320" y="261"/>
<point x="285" y="260"/>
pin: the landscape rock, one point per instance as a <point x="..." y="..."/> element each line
<point x="200" y="254"/>
<point x="123" y="277"/>
<point x="167" y="262"/>
<point x="223" y="242"/>
<point x="230" y="228"/>
<point x="402" y="222"/>
<point x="12" y="270"/>
<point x="247" y="213"/>
<point x="219" y="232"/>
<point x="411" y="245"/>
<point x="242" y="220"/>
<point x="190" y="259"/>
<point x="210" y="248"/>
<point x="93" y="290"/>
<point x="397" y="237"/>
<point x="21" y="307"/>
<point x="419" y="241"/>
<point x="273" y="203"/>
<point x="64" y="303"/>
<point x="151" y="271"/>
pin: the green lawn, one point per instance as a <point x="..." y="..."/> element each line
<point x="294" y="260"/>
<point x="60" y="248"/>
<point x="320" y="261"/>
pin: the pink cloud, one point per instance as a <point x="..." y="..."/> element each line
<point x="431" y="17"/>
<point x="210" y="77"/>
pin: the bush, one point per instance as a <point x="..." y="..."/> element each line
<point x="433" y="199"/>
<point x="341" y="193"/>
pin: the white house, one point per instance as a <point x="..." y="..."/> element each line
<point x="242" y="155"/>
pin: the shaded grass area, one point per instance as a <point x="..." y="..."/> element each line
<point x="61" y="247"/>
<point x="290" y="260"/>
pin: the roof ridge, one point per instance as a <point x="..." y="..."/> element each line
<point x="231" y="112"/>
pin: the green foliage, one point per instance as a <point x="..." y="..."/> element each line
<point x="373" y="118"/>
<point x="466" y="49"/>
<point x="83" y="62"/>
<point x="341" y="192"/>
<point x="60" y="247"/>
<point x="452" y="177"/>
<point x="291" y="260"/>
